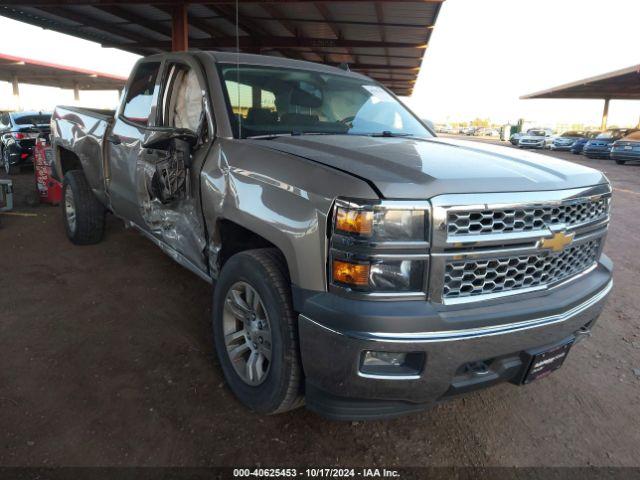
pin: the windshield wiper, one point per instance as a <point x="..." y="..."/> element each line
<point x="389" y="134"/>
<point x="271" y="136"/>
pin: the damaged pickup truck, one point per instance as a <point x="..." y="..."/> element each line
<point x="362" y="266"/>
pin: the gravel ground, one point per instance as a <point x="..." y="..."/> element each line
<point x="107" y="359"/>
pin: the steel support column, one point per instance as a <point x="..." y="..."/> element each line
<point x="605" y="114"/>
<point x="76" y="92"/>
<point x="16" y="91"/>
<point x="179" y="29"/>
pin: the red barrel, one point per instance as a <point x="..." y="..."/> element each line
<point x="49" y="189"/>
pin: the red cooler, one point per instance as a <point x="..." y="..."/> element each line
<point x="49" y="189"/>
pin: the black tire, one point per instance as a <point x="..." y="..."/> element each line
<point x="621" y="162"/>
<point x="266" y="272"/>
<point x="6" y="165"/>
<point x="89" y="212"/>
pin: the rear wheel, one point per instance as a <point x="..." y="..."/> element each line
<point x="255" y="331"/>
<point x="621" y="162"/>
<point x="6" y="163"/>
<point x="83" y="214"/>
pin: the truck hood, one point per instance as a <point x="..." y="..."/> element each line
<point x="409" y="168"/>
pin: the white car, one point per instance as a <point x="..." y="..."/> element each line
<point x="536" y="138"/>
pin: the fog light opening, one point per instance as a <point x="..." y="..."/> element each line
<point x="390" y="365"/>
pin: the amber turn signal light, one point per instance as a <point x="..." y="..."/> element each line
<point x="354" y="221"/>
<point x="356" y="274"/>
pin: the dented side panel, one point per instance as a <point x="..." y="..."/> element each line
<point x="270" y="194"/>
<point x="82" y="131"/>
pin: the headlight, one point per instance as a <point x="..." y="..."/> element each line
<point x="377" y="274"/>
<point x="378" y="224"/>
<point x="379" y="247"/>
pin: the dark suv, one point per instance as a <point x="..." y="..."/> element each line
<point x="18" y="134"/>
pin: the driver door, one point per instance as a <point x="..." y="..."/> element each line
<point x="168" y="171"/>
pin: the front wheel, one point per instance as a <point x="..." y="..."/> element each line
<point x="255" y="331"/>
<point x="82" y="213"/>
<point x="621" y="162"/>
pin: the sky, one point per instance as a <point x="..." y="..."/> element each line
<point x="482" y="56"/>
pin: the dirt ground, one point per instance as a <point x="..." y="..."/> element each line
<point x="106" y="358"/>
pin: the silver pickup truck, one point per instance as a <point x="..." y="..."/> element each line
<point x="362" y="266"/>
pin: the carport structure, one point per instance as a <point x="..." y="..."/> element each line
<point x="384" y="39"/>
<point x="621" y="84"/>
<point x="16" y="70"/>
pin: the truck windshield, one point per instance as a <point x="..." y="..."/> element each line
<point x="266" y="101"/>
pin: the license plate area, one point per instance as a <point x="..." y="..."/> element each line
<point x="548" y="361"/>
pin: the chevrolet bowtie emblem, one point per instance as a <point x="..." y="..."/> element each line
<point x="557" y="242"/>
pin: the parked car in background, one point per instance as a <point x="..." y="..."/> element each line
<point x="515" y="137"/>
<point x="600" y="146"/>
<point x="536" y="138"/>
<point x="579" y="144"/>
<point x="444" y="129"/>
<point x="626" y="149"/>
<point x="566" y="140"/>
<point x="487" y="132"/>
<point x="18" y="133"/>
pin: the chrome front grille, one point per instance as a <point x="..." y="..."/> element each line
<point x="472" y="222"/>
<point x="487" y="246"/>
<point x="504" y="273"/>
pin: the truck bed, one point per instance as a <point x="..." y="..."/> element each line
<point x="102" y="113"/>
<point x="78" y="140"/>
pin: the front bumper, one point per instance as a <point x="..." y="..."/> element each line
<point x="532" y="145"/>
<point x="561" y="147"/>
<point x="501" y="336"/>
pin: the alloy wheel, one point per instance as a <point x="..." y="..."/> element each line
<point x="5" y="162"/>
<point x="247" y="333"/>
<point x="70" y="209"/>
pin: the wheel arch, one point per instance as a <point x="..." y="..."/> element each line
<point x="66" y="160"/>
<point x="231" y="238"/>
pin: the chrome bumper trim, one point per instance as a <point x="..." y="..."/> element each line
<point x="468" y="334"/>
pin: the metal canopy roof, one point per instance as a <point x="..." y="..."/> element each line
<point x="385" y="39"/>
<point x="622" y="84"/>
<point x="36" y="72"/>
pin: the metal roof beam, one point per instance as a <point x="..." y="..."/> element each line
<point x="94" y="3"/>
<point x="326" y="15"/>
<point x="288" y="26"/>
<point x="135" y="19"/>
<point x="197" y="22"/>
<point x="85" y="21"/>
<point x="247" y="42"/>
<point x="340" y="22"/>
<point x="361" y="54"/>
<point x="255" y="31"/>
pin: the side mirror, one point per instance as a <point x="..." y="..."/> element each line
<point x="162" y="138"/>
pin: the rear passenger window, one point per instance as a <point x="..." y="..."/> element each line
<point x="141" y="93"/>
